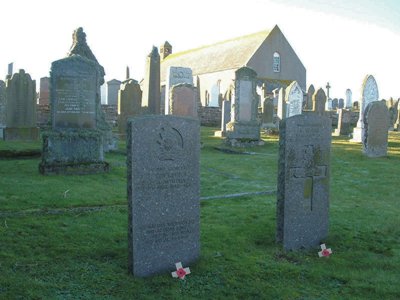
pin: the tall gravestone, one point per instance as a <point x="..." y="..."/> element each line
<point x="74" y="145"/>
<point x="376" y="126"/>
<point x="303" y="181"/>
<point x="183" y="100"/>
<point x="319" y="101"/>
<point x="348" y="100"/>
<point x="20" y="108"/>
<point x="151" y="101"/>
<point x="2" y="108"/>
<point x="310" y="94"/>
<point x="225" y="118"/>
<point x="244" y="125"/>
<point x="129" y="103"/>
<point x="281" y="110"/>
<point x="370" y="93"/>
<point x="113" y="86"/>
<point x="44" y="92"/>
<point x="175" y="75"/>
<point x="344" y="119"/>
<point x="268" y="113"/>
<point x="294" y="99"/>
<point x="163" y="193"/>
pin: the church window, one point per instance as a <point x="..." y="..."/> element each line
<point x="277" y="62"/>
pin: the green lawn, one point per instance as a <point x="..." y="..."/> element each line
<point x="50" y="252"/>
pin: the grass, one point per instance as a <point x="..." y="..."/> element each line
<point x="81" y="254"/>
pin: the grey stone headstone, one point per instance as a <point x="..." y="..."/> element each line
<point x="335" y="103"/>
<point x="183" y="100"/>
<point x="340" y="103"/>
<point x="349" y="100"/>
<point x="344" y="119"/>
<point x="397" y="122"/>
<point x="268" y="111"/>
<point x="73" y="93"/>
<point x="370" y="94"/>
<point x="319" y="101"/>
<point x="176" y="75"/>
<point x="151" y="84"/>
<point x="163" y="193"/>
<point x="376" y="122"/>
<point x="112" y="91"/>
<point x="310" y="93"/>
<point x="129" y="103"/>
<point x="303" y="181"/>
<point x="328" y="104"/>
<point x="44" y="92"/>
<point x="294" y="99"/>
<point x="281" y="110"/>
<point x="225" y="118"/>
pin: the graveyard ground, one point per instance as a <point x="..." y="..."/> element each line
<point x="65" y="237"/>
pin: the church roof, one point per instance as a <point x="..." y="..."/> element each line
<point x="226" y="55"/>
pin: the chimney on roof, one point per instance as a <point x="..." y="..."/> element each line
<point x="165" y="50"/>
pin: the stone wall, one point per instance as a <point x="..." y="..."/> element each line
<point x="210" y="116"/>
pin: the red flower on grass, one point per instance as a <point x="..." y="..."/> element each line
<point x="181" y="273"/>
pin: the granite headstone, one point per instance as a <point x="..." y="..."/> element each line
<point x="183" y="100"/>
<point x="175" y="75"/>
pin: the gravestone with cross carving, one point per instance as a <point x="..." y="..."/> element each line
<point x="303" y="181"/>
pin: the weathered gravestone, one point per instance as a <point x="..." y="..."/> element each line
<point x="113" y="87"/>
<point x="129" y="103"/>
<point x="397" y="122"/>
<point x="370" y="93"/>
<point x="175" y="75"/>
<point x="319" y="100"/>
<point x="20" y="108"/>
<point x="183" y="100"/>
<point x="44" y="92"/>
<point x="310" y="94"/>
<point x="244" y="126"/>
<point x="393" y="112"/>
<point x="163" y="193"/>
<point x="303" y="181"/>
<point x="268" y="113"/>
<point x="328" y="104"/>
<point x="340" y="103"/>
<point x="344" y="119"/>
<point x="335" y="103"/>
<point x="225" y="118"/>
<point x="74" y="145"/>
<point x="376" y="126"/>
<point x="151" y="101"/>
<point x="294" y="99"/>
<point x="2" y="107"/>
<point x="349" y="100"/>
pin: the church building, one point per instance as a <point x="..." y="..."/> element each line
<point x="266" y="52"/>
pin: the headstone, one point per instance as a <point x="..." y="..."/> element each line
<point x="281" y="110"/>
<point x="370" y="94"/>
<point x="328" y="104"/>
<point x="244" y="125"/>
<point x="335" y="103"/>
<point x="175" y="75"/>
<point x="376" y="125"/>
<point x="2" y="108"/>
<point x="214" y="95"/>
<point x="397" y="122"/>
<point x="303" y="181"/>
<point x="129" y="103"/>
<point x="10" y="69"/>
<point x="74" y="145"/>
<point x="20" y="108"/>
<point x="393" y="112"/>
<point x="113" y="86"/>
<point x="349" y="100"/>
<point x="183" y="101"/>
<point x="340" y="103"/>
<point x="319" y="100"/>
<point x="151" y="101"/>
<point x="356" y="105"/>
<point x="268" y="113"/>
<point x="294" y="99"/>
<point x="225" y="118"/>
<point x="163" y="193"/>
<point x="310" y="93"/>
<point x="344" y="119"/>
<point x="44" y="91"/>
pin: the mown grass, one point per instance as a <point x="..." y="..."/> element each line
<point x="83" y="254"/>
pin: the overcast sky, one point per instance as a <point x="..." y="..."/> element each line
<point x="338" y="41"/>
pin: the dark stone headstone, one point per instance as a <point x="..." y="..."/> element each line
<point x="335" y="103"/>
<point x="268" y="112"/>
<point x="163" y="193"/>
<point x="376" y="126"/>
<point x="340" y="103"/>
<point x="303" y="181"/>
<point x="310" y="93"/>
<point x="319" y="102"/>
<point x="344" y="119"/>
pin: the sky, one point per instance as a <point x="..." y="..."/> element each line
<point x="339" y="41"/>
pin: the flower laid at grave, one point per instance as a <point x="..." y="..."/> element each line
<point x="180" y="271"/>
<point x="324" y="251"/>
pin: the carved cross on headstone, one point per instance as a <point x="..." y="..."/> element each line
<point x="327" y="90"/>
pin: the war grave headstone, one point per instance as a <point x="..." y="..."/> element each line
<point x="310" y="94"/>
<point x="225" y="118"/>
<point x="244" y="126"/>
<point x="129" y="103"/>
<point x="319" y="101"/>
<point x="376" y="126"/>
<point x="2" y="107"/>
<point x="151" y="102"/>
<point x="370" y="93"/>
<point x="175" y="75"/>
<point x="80" y="47"/>
<point x="349" y="100"/>
<point x="303" y="181"/>
<point x="344" y="119"/>
<point x="20" y="108"/>
<point x="294" y="99"/>
<point x="281" y="109"/>
<point x="74" y="145"/>
<point x="183" y="100"/>
<point x="163" y="193"/>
